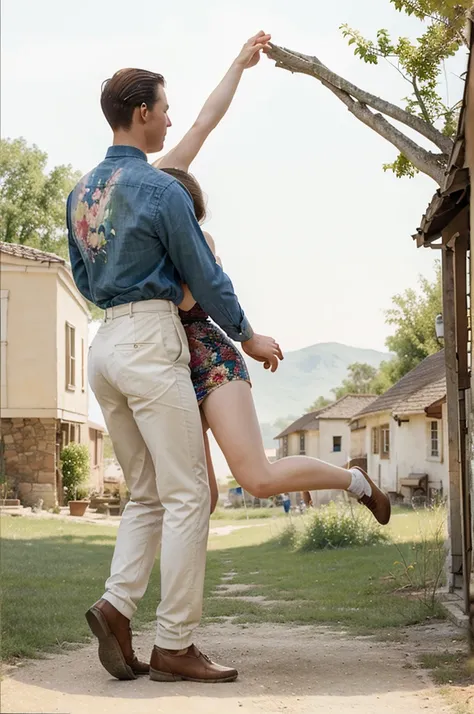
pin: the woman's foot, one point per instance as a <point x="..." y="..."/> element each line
<point x="370" y="495"/>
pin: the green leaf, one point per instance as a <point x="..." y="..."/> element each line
<point x="33" y="201"/>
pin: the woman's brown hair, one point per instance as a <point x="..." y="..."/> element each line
<point x="192" y="186"/>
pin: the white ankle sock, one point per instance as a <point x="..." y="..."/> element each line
<point x="359" y="484"/>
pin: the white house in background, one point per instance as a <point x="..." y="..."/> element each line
<point x="403" y="433"/>
<point x="324" y="434"/>
<point x="44" y="397"/>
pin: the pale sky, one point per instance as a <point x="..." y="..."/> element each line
<point x="315" y="236"/>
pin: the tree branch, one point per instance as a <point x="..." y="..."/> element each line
<point x="432" y="165"/>
<point x="312" y="66"/>
<point x="420" y="101"/>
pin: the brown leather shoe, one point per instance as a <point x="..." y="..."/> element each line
<point x="114" y="633"/>
<point x="378" y="502"/>
<point x="193" y="666"/>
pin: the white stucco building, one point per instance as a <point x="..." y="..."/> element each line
<point x="403" y="434"/>
<point x="324" y="434"/>
<point x="44" y="394"/>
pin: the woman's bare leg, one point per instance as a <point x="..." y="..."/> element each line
<point x="230" y="413"/>
<point x="211" y="474"/>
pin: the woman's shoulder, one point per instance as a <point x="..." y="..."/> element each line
<point x="210" y="240"/>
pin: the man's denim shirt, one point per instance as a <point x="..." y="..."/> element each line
<point x="133" y="235"/>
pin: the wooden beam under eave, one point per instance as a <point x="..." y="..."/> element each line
<point x="420" y="241"/>
<point x="461" y="289"/>
<point x="457" y="226"/>
<point x="452" y="396"/>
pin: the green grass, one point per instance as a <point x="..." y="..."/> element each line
<point x="449" y="667"/>
<point x="409" y="525"/>
<point x="52" y="571"/>
<point x="240" y="524"/>
<point x="244" y="514"/>
<point x="347" y="587"/>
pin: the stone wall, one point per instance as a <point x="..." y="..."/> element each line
<point x="30" y="459"/>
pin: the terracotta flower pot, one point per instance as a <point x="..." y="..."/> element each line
<point x="78" y="508"/>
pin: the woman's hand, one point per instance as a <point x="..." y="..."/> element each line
<point x="250" y="53"/>
<point x="263" y="349"/>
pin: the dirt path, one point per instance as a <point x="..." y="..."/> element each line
<point x="296" y="670"/>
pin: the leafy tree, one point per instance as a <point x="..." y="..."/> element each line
<point x="413" y="316"/>
<point x="320" y="403"/>
<point x="385" y="378"/>
<point x="421" y="63"/>
<point x="32" y="201"/>
<point x="358" y="381"/>
<point x="282" y="422"/>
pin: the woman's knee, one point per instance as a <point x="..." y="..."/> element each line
<point x="257" y="482"/>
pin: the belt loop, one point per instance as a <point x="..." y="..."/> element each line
<point x="130" y="309"/>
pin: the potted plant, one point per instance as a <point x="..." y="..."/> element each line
<point x="75" y="469"/>
<point x="6" y="491"/>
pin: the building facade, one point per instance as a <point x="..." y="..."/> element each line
<point x="44" y="392"/>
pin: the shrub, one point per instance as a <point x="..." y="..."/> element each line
<point x="423" y="570"/>
<point x="288" y="536"/>
<point x="340" y="526"/>
<point x="75" y="469"/>
<point x="82" y="493"/>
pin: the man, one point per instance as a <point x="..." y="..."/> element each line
<point x="133" y="241"/>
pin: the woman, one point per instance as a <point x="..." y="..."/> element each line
<point x="218" y="371"/>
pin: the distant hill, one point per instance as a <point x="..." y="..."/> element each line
<point x="303" y="376"/>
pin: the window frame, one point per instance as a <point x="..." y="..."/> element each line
<point x="4" y="299"/>
<point x="302" y="443"/>
<point x="432" y="456"/>
<point x="83" y="365"/>
<point x="384" y="430"/>
<point x="334" y="449"/>
<point x="95" y="438"/>
<point x="375" y="439"/>
<point x="70" y="433"/>
<point x="70" y="357"/>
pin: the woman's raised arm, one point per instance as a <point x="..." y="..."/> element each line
<point x="215" y="107"/>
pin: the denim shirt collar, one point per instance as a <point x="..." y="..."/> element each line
<point x="120" y="151"/>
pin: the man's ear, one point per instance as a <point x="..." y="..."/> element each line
<point x="143" y="109"/>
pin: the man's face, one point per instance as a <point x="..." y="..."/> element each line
<point x="156" y="122"/>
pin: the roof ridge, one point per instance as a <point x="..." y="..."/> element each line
<point x="30" y="252"/>
<point x="428" y="372"/>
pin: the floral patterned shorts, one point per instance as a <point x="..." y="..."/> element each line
<point x="214" y="358"/>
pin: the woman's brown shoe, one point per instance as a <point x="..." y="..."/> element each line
<point x="378" y="502"/>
